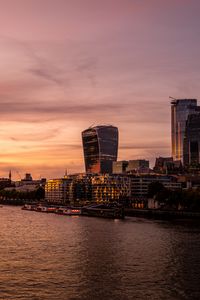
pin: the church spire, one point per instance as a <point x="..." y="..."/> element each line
<point x="10" y="175"/>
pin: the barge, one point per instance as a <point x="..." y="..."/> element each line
<point x="103" y="211"/>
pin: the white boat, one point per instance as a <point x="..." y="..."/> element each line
<point x="68" y="211"/>
<point x="28" y="207"/>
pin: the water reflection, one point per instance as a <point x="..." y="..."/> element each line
<point x="44" y="256"/>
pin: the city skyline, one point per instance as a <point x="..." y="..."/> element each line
<point x="67" y="65"/>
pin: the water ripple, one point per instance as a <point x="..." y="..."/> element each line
<point x="45" y="256"/>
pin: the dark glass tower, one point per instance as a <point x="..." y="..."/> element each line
<point x="180" y="110"/>
<point x="100" y="146"/>
<point x="191" y="150"/>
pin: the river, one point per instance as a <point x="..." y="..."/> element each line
<point x="50" y="257"/>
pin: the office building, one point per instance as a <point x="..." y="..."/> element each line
<point x="58" y="191"/>
<point x="80" y="189"/>
<point x="163" y="164"/>
<point x="180" y="110"/>
<point x="137" y="164"/>
<point x="84" y="189"/>
<point x="119" y="167"/>
<point x="192" y="141"/>
<point x="131" y="166"/>
<point x="166" y="165"/>
<point x="140" y="184"/>
<point x="100" y="146"/>
<point x="110" y="188"/>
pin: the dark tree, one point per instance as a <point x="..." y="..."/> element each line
<point x="154" y="188"/>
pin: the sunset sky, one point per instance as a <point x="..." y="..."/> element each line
<point x="68" y="64"/>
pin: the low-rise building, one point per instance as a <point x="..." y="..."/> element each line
<point x="119" y="167"/>
<point x="140" y="184"/>
<point x="84" y="189"/>
<point x="136" y="164"/>
<point x="131" y="166"/>
<point x="58" y="191"/>
<point x="166" y="165"/>
<point x="110" y="188"/>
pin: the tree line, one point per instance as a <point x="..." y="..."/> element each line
<point x="18" y="197"/>
<point x="180" y="199"/>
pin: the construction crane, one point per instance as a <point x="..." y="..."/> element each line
<point x="172" y="98"/>
<point x="19" y="175"/>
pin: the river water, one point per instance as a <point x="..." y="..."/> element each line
<point x="47" y="256"/>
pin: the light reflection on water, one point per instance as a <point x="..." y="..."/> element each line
<point x="47" y="256"/>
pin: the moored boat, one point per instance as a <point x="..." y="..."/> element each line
<point x="68" y="211"/>
<point x="104" y="211"/>
<point x="110" y="211"/>
<point x="28" y="207"/>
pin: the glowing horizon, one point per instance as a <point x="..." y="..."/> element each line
<point x="67" y="64"/>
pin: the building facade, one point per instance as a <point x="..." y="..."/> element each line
<point x="100" y="147"/>
<point x="140" y="184"/>
<point x="58" y="191"/>
<point x="137" y="164"/>
<point x="192" y="141"/>
<point x="110" y="188"/>
<point x="180" y="110"/>
<point x="86" y="189"/>
<point x="119" y="167"/>
<point x="130" y="166"/>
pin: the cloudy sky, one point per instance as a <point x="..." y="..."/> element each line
<point x="67" y="64"/>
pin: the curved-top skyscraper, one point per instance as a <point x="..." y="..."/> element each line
<point x="100" y="146"/>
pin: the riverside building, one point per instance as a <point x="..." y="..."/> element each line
<point x="85" y="189"/>
<point x="111" y="188"/>
<point x="104" y="188"/>
<point x="58" y="191"/>
<point x="140" y="185"/>
<point x="100" y="146"/>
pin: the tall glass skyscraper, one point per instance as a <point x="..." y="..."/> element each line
<point x="191" y="150"/>
<point x="180" y="110"/>
<point x="100" y="146"/>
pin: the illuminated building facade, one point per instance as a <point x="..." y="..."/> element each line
<point x="192" y="141"/>
<point x="85" y="189"/>
<point x="180" y="110"/>
<point x="58" y="191"/>
<point x="110" y="188"/>
<point x="100" y="146"/>
<point x="104" y="188"/>
<point x="81" y="189"/>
